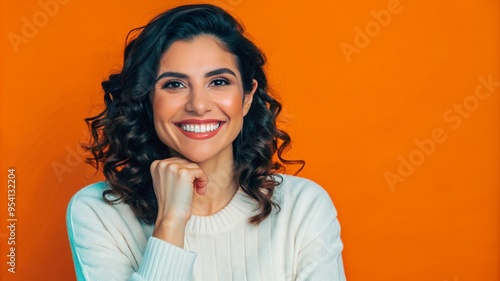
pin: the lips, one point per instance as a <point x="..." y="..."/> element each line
<point x="199" y="129"/>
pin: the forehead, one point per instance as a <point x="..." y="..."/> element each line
<point x="200" y="54"/>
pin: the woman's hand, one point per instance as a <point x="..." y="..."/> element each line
<point x="174" y="181"/>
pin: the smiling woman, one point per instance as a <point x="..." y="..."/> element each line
<point x="192" y="157"/>
<point x="199" y="96"/>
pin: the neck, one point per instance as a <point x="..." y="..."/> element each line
<point x="221" y="186"/>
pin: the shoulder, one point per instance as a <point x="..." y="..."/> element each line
<point x="299" y="185"/>
<point x="306" y="210"/>
<point x="304" y="194"/>
<point x="101" y="233"/>
<point x="88" y="207"/>
<point x="92" y="191"/>
<point x="90" y="196"/>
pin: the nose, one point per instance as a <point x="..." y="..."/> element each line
<point x="199" y="101"/>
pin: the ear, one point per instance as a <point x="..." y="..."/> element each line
<point x="248" y="97"/>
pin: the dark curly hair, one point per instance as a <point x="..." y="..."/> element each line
<point x="124" y="142"/>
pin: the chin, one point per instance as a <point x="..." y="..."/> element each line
<point x="197" y="156"/>
<point x="197" y="159"/>
<point x="201" y="154"/>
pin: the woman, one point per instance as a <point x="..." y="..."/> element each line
<point x="186" y="143"/>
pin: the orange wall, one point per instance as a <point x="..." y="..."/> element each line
<point x="386" y="100"/>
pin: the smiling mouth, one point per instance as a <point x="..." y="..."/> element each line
<point x="200" y="128"/>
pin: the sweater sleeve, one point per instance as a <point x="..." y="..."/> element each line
<point x="320" y="254"/>
<point x="104" y="250"/>
<point x="154" y="266"/>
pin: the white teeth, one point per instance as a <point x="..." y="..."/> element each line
<point x="203" y="128"/>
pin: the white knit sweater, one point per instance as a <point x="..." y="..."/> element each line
<point x="301" y="242"/>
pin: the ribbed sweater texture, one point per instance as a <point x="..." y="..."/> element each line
<point x="300" y="242"/>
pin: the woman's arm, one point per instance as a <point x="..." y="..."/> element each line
<point x="111" y="245"/>
<point x="108" y="242"/>
<point x="320" y="254"/>
<point x="179" y="265"/>
<point x="321" y="258"/>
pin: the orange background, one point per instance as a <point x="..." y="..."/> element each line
<point x="354" y="117"/>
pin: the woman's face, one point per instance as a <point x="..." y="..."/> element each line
<point x="198" y="101"/>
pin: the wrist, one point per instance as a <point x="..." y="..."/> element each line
<point x="171" y="231"/>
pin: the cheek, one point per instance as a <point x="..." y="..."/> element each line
<point x="162" y="108"/>
<point x="233" y="105"/>
<point x="162" y="114"/>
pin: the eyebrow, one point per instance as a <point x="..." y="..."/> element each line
<point x="179" y="75"/>
<point x="220" y="71"/>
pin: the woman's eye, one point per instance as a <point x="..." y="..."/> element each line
<point x="219" y="82"/>
<point x="173" y="85"/>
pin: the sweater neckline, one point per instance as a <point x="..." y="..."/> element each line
<point x="241" y="207"/>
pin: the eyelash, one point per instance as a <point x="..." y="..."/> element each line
<point x="180" y="84"/>
<point x="169" y="84"/>
<point x="220" y="80"/>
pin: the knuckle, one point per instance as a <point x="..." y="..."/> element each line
<point x="183" y="172"/>
<point x="163" y="165"/>
<point x="153" y="166"/>
<point x="172" y="167"/>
